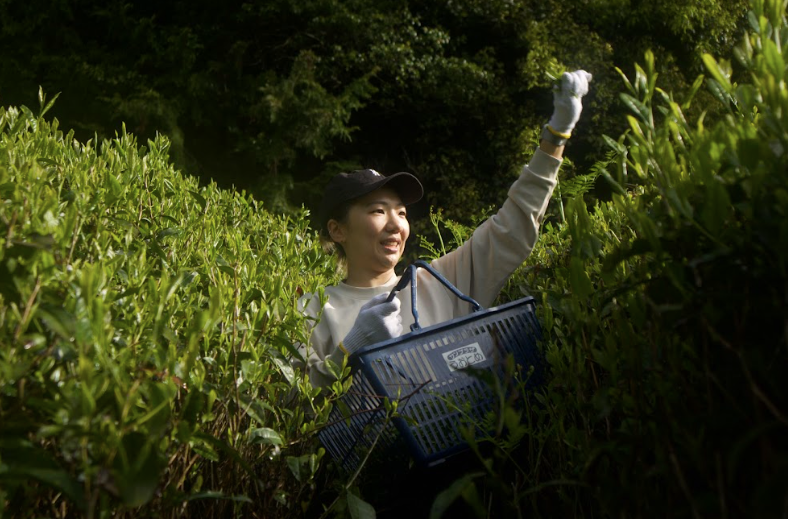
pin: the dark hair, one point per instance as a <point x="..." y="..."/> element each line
<point x="340" y="214"/>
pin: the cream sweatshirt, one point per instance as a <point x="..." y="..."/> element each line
<point x="479" y="268"/>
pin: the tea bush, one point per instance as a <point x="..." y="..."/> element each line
<point x="145" y="326"/>
<point x="666" y="315"/>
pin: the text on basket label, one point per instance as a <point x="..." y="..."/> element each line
<point x="464" y="357"/>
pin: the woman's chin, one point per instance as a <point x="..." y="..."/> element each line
<point x="390" y="260"/>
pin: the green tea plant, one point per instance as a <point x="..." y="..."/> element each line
<point x="665" y="313"/>
<point x="146" y="325"/>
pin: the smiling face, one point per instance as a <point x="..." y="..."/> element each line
<point x="373" y="236"/>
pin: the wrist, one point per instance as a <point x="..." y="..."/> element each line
<point x="555" y="137"/>
<point x="353" y="341"/>
<point x="551" y="149"/>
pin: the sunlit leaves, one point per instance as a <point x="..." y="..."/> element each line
<point x="147" y="324"/>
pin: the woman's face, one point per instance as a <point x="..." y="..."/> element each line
<point x="373" y="235"/>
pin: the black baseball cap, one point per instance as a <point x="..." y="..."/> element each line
<point x="348" y="186"/>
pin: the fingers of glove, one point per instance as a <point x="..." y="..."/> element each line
<point x="397" y="331"/>
<point x="372" y="326"/>
<point x="575" y="84"/>
<point x="390" y="318"/>
<point x="385" y="327"/>
<point x="397" y="325"/>
<point x="378" y="299"/>
<point x="382" y="308"/>
<point x="567" y="100"/>
<point x="392" y="307"/>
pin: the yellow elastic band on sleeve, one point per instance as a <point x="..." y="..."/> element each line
<point x="558" y="134"/>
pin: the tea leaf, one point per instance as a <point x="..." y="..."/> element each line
<point x="458" y="489"/>
<point x="266" y="436"/>
<point x="581" y="283"/>
<point x="358" y="508"/>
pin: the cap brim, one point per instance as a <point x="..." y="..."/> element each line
<point x="406" y="185"/>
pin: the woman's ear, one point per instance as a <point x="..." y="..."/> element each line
<point x="336" y="231"/>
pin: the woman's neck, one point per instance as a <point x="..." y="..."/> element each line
<point x="368" y="279"/>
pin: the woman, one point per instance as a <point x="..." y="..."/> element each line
<point x="364" y="216"/>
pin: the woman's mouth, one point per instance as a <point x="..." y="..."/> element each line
<point x="391" y="245"/>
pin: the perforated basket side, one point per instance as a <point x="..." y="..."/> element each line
<point x="437" y="395"/>
<point x="352" y="431"/>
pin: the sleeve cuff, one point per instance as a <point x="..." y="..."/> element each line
<point x="544" y="165"/>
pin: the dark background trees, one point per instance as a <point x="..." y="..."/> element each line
<point x="274" y="97"/>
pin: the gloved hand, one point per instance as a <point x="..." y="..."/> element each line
<point x="567" y="103"/>
<point x="377" y="321"/>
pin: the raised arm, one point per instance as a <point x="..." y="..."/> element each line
<point x="502" y="243"/>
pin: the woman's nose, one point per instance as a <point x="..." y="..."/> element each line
<point x="394" y="223"/>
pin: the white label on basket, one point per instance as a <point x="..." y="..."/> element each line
<point x="463" y="357"/>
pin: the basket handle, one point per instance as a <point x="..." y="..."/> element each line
<point x="409" y="276"/>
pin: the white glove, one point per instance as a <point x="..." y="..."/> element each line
<point x="377" y="321"/>
<point x="567" y="103"/>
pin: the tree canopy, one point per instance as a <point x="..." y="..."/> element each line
<point x="276" y="96"/>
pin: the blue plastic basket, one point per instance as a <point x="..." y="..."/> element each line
<point x="426" y="371"/>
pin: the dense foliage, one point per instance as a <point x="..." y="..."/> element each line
<point x="145" y="325"/>
<point x="275" y="96"/>
<point x="666" y="311"/>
